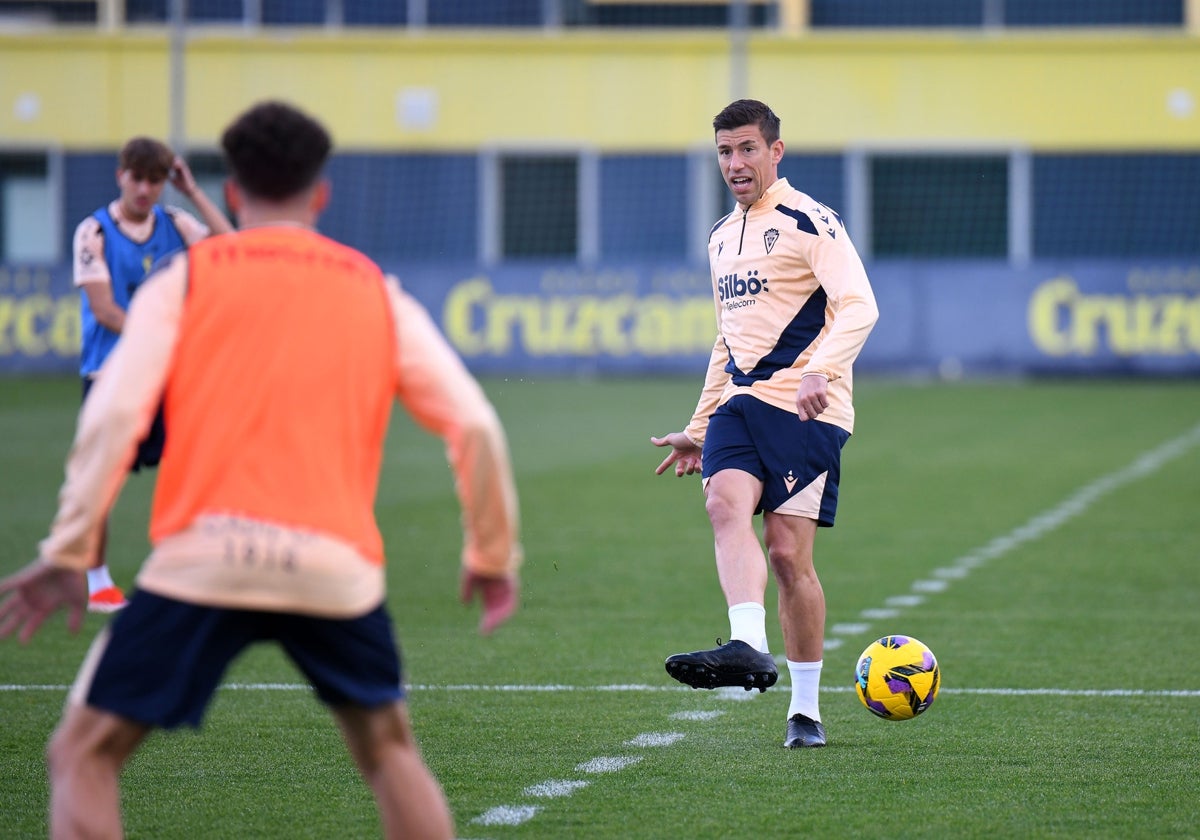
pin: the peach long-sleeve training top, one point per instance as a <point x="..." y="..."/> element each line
<point x="279" y="353"/>
<point x="792" y="300"/>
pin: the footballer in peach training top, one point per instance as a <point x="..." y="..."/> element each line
<point x="794" y="308"/>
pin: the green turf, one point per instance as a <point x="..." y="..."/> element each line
<point x="619" y="574"/>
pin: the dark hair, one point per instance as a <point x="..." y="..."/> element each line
<point x="748" y="112"/>
<point x="275" y="151"/>
<point x="146" y="157"/>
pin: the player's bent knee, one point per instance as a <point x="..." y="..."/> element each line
<point x="371" y="733"/>
<point x="86" y="736"/>
<point x="723" y="510"/>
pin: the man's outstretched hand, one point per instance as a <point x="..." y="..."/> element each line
<point x="497" y="594"/>
<point x="35" y="593"/>
<point x="685" y="455"/>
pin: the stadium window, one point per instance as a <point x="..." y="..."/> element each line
<point x="939" y="205"/>
<point x="145" y="11"/>
<point x="626" y="235"/>
<point x="217" y="11"/>
<point x="1095" y="13"/>
<point x="29" y="217"/>
<point x="539" y="205"/>
<point x="715" y="14"/>
<point x="888" y="13"/>
<point x="41" y="12"/>
<point x="1117" y="205"/>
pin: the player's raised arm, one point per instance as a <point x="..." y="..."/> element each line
<point x="183" y="180"/>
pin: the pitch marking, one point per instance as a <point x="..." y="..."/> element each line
<point x="724" y="694"/>
<point x="507" y="815"/>
<point x="555" y="788"/>
<point x="518" y="814"/>
<point x="607" y="764"/>
<point x="695" y="715"/>
<point x="1037" y="527"/>
<point x="654" y="739"/>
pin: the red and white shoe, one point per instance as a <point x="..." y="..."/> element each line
<point x="106" y="600"/>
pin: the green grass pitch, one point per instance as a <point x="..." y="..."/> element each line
<point x="1041" y="537"/>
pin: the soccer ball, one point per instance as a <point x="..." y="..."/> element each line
<point x="897" y="677"/>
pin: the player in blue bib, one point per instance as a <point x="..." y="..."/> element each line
<point x="114" y="249"/>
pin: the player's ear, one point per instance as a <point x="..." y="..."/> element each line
<point x="777" y="151"/>
<point x="321" y="196"/>
<point x="233" y="198"/>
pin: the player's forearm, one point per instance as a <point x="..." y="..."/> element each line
<point x="105" y="310"/>
<point x="856" y="316"/>
<point x="96" y="469"/>
<point x="111" y="317"/>
<point x="841" y="274"/>
<point x="715" y="380"/>
<point x="487" y="493"/>
<point x="443" y="397"/>
<point x="115" y="416"/>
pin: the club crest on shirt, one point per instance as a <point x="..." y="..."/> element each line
<point x="770" y="237"/>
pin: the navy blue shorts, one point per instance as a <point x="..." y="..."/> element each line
<point x="798" y="462"/>
<point x="160" y="660"/>
<point x="150" y="449"/>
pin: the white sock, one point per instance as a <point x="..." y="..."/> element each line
<point x="748" y="622"/>
<point x="806" y="682"/>
<point x="99" y="578"/>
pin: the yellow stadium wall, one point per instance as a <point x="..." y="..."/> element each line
<point x="1082" y="91"/>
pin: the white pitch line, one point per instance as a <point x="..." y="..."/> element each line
<point x="719" y="693"/>
<point x="850" y="628"/>
<point x="696" y="715"/>
<point x="518" y="814"/>
<point x="555" y="788"/>
<point x="1037" y="527"/>
<point x="655" y="739"/>
<point x="733" y="692"/>
<point x="549" y="687"/>
<point x="1077" y="692"/>
<point x="514" y="815"/>
<point x="507" y="815"/>
<point x="608" y="764"/>
<point x="904" y="601"/>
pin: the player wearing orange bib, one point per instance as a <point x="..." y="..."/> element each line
<point x="278" y="354"/>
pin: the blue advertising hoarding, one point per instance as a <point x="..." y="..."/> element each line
<point x="970" y="317"/>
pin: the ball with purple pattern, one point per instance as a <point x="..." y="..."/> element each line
<point x="897" y="677"/>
